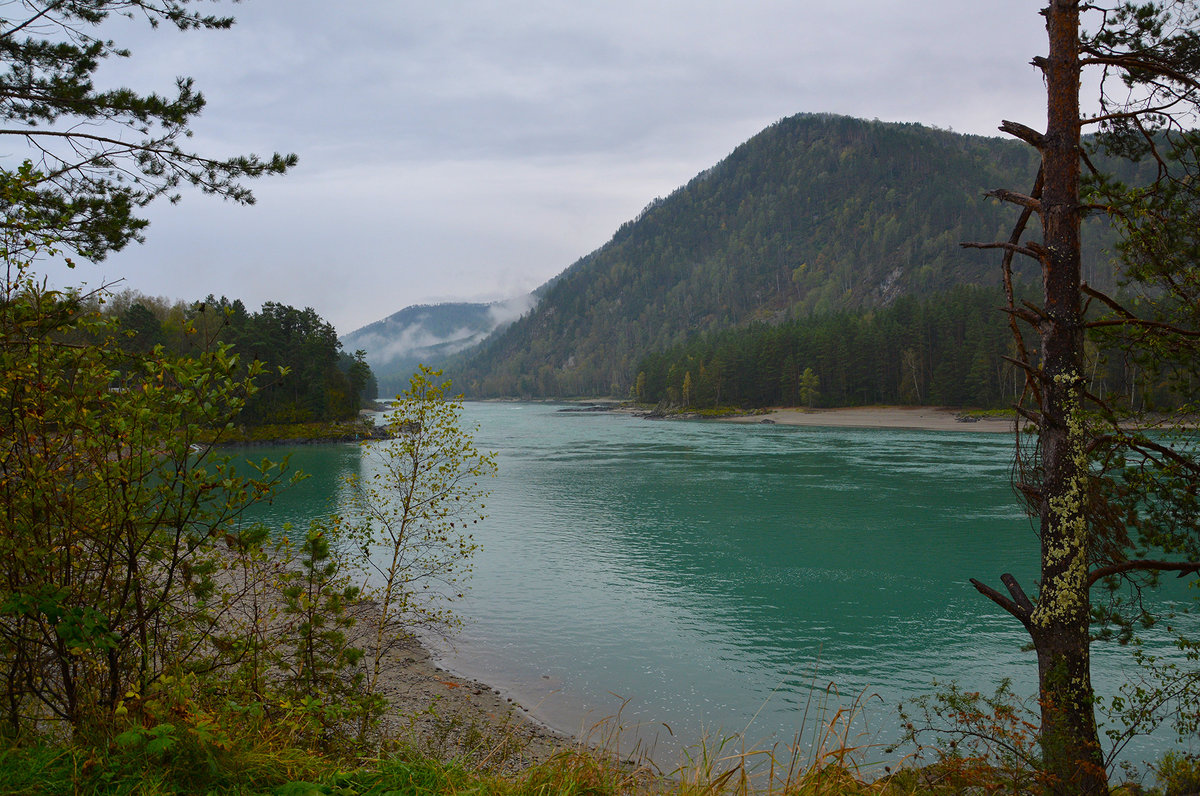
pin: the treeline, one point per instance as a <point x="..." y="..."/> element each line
<point x="943" y="350"/>
<point x="320" y="382"/>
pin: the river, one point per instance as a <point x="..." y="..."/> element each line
<point x="716" y="578"/>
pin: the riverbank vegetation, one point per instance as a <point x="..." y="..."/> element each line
<point x="150" y="639"/>
<point x="241" y="754"/>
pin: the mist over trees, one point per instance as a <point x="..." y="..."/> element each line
<point x="397" y="345"/>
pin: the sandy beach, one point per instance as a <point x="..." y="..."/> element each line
<point x="925" y="418"/>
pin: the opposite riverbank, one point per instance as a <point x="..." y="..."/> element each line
<point x="924" y="418"/>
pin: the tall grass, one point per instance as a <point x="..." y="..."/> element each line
<point x="248" y="757"/>
<point x="236" y="754"/>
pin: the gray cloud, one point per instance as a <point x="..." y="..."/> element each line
<point x="472" y="149"/>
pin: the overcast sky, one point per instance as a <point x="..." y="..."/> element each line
<point x="472" y="149"/>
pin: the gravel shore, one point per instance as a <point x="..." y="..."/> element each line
<point x="448" y="715"/>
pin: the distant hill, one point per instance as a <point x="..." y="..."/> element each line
<point x="815" y="214"/>
<point x="428" y="334"/>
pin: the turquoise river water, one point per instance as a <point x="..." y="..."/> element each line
<point x="722" y="578"/>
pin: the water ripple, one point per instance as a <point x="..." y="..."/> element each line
<point x="711" y="572"/>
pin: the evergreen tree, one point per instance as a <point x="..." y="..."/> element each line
<point x="939" y="350"/>
<point x="104" y="153"/>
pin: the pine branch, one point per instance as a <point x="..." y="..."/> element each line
<point x="1128" y="318"/>
<point x="1141" y="66"/>
<point x="1144" y="324"/>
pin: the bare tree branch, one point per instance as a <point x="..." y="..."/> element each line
<point x="1025" y="250"/>
<point x="1023" y="132"/>
<point x="1032" y="318"/>
<point x="1018" y="594"/>
<point x="1141" y="565"/>
<point x="1004" y="602"/>
<point x="1005" y="195"/>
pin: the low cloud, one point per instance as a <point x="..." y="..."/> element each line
<point x="435" y="331"/>
<point x="505" y="312"/>
<point x="410" y="341"/>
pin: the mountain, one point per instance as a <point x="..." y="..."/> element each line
<point x="813" y="215"/>
<point x="428" y="333"/>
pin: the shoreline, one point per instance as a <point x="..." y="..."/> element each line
<point x="922" y="418"/>
<point x="451" y="714"/>
<point x="437" y="712"/>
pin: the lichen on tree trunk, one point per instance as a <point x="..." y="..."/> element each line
<point x="1060" y="622"/>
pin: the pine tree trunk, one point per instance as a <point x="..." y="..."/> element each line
<point x="1060" y="622"/>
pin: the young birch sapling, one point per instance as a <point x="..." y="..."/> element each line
<point x="411" y="509"/>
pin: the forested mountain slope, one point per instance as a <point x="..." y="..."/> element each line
<point x="814" y="215"/>
<point x="426" y="333"/>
